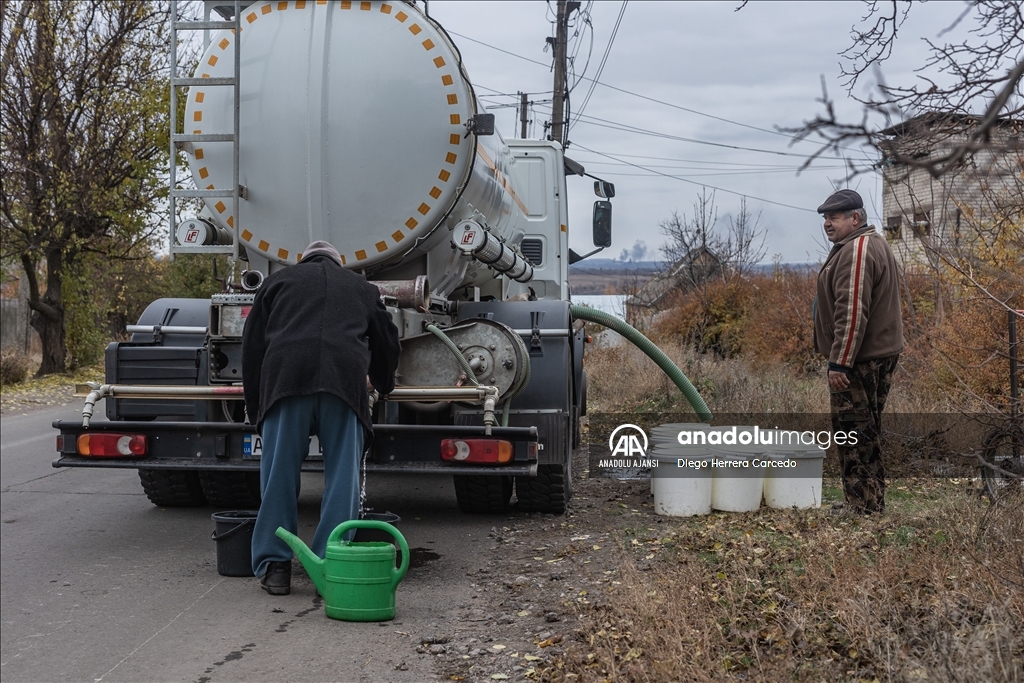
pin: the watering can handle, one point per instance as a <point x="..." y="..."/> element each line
<point x="340" y="530"/>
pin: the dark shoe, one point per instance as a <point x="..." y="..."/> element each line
<point x="278" y="579"/>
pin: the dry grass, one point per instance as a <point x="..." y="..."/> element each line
<point x="622" y="379"/>
<point x="931" y="591"/>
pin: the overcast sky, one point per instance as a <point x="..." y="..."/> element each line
<point x="760" y="67"/>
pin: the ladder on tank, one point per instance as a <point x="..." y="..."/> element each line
<point x="231" y="11"/>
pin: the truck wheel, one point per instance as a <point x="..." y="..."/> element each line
<point x="173" y="488"/>
<point x="548" y="492"/>
<point x="482" y="493"/>
<point x="239" y="490"/>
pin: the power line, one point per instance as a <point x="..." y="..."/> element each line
<point x="625" y="127"/>
<point x="604" y="60"/>
<point x="694" y="182"/>
<point x="645" y="97"/>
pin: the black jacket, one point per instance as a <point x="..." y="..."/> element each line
<point x="317" y="327"/>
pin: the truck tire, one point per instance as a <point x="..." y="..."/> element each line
<point x="173" y="488"/>
<point x="548" y="492"/>
<point x="483" y="493"/>
<point x="239" y="490"/>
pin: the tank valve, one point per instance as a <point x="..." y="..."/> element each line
<point x="472" y="238"/>
<point x="251" y="280"/>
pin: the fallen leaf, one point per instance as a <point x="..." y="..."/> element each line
<point x="499" y="648"/>
<point x="499" y="677"/>
<point x="531" y="658"/>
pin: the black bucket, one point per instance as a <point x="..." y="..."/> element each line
<point x="378" y="535"/>
<point x="234" y="541"/>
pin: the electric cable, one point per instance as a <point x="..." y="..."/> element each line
<point x="694" y="182"/>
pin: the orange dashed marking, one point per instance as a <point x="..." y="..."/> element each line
<point x="346" y="4"/>
<point x="231" y="219"/>
<point x="564" y="229"/>
<point x="343" y="260"/>
<point x="263" y="245"/>
<point x="401" y="16"/>
<point x="365" y="6"/>
<point x="212" y="61"/>
<point x="300" y="4"/>
<point x="266" y="9"/>
<point x="438" y="62"/>
<point x="200" y="96"/>
<point x="197" y="132"/>
<point x="455" y="119"/>
<point x="453" y="98"/>
<point x="385" y="8"/>
<point x="446" y="79"/>
<point x="251" y="17"/>
<point x="198" y="116"/>
<point x="397" y="235"/>
<point x="281" y="6"/>
<point x="415" y="29"/>
<point x="298" y="257"/>
<point x="381" y="246"/>
<point x="224" y="43"/>
<point x="199" y="154"/>
<point x="435" y="192"/>
<point x="205" y="76"/>
<point x="455" y="139"/>
<point x="203" y="173"/>
<point x="360" y="254"/>
<point x="220" y="207"/>
<point x="444" y="175"/>
<point x="423" y="208"/>
<point x="246" y="235"/>
<point x="411" y="223"/>
<point x="451" y="157"/>
<point x="282" y="254"/>
<point x="428" y="44"/>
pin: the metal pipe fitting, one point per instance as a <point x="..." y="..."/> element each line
<point x="413" y="294"/>
<point x="252" y="280"/>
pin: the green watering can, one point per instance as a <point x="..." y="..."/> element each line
<point x="357" y="580"/>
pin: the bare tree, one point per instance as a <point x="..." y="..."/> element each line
<point x="84" y="128"/>
<point x="978" y="77"/>
<point x="696" y="249"/>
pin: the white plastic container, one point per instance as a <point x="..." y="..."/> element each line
<point x="798" y="487"/>
<point x="668" y="434"/>
<point x="737" y="489"/>
<point x="681" y="491"/>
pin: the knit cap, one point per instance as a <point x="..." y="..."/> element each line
<point x="321" y="247"/>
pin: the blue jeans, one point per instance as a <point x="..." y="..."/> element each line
<point x="286" y="431"/>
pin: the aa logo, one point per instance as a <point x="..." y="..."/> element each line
<point x="628" y="441"/>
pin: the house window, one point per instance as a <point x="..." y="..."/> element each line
<point x="893" y="227"/>
<point x="922" y="224"/>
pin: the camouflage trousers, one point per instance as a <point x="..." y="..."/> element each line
<point x="859" y="409"/>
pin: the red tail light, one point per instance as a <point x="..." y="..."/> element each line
<point x="494" y="451"/>
<point x="108" y="445"/>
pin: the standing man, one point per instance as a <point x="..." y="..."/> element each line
<point x="858" y="326"/>
<point x="314" y="336"/>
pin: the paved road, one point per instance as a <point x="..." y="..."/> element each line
<point x="100" y="585"/>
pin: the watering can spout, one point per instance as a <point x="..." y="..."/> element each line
<point x="314" y="565"/>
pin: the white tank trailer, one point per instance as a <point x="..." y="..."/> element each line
<point x="357" y="124"/>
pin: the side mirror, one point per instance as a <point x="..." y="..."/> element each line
<point x="602" y="223"/>
<point x="604" y="189"/>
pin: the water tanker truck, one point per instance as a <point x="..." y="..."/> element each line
<point x="356" y="123"/>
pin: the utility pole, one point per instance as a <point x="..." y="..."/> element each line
<point x="565" y="9"/>
<point x="523" y="104"/>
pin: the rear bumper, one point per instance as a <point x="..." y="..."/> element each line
<point x="222" y="446"/>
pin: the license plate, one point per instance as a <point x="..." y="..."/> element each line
<point x="252" y="448"/>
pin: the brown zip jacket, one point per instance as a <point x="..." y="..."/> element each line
<point x="857" y="313"/>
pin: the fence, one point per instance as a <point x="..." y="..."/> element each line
<point x="15" y="332"/>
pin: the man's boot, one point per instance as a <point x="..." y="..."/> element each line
<point x="278" y="579"/>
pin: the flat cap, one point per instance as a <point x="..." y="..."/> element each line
<point x="843" y="200"/>
<point x="321" y="247"/>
